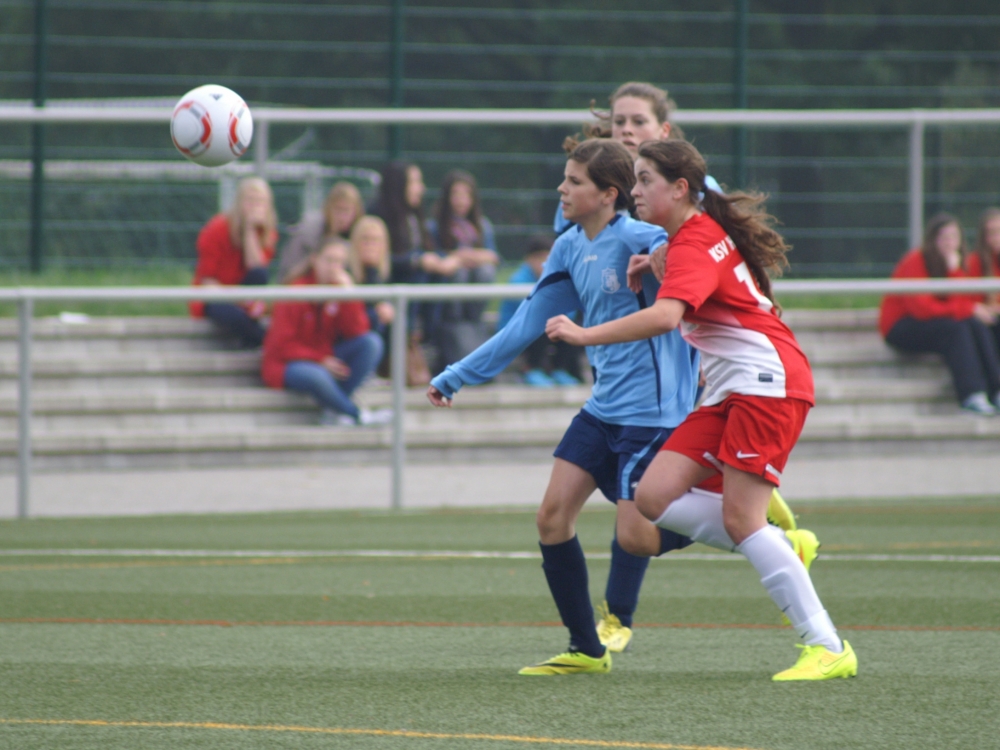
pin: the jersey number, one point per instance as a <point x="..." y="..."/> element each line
<point x="745" y="277"/>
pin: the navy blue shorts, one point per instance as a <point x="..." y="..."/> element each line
<point x="615" y="455"/>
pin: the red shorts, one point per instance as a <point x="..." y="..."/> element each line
<point x="754" y="434"/>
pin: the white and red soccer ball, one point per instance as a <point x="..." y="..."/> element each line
<point x="211" y="125"/>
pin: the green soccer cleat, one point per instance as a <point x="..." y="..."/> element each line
<point x="611" y="632"/>
<point x="572" y="662"/>
<point x="805" y="544"/>
<point x="779" y="514"/>
<point x="820" y="663"/>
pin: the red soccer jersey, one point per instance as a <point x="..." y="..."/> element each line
<point x="745" y="347"/>
<point x="219" y="258"/>
<point x="308" y="331"/>
<point x="895" y="307"/>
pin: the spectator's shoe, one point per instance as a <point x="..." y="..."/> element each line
<point x="571" y="662"/>
<point x="538" y="379"/>
<point x="369" y="418"/>
<point x="805" y="544"/>
<point x="977" y="403"/>
<point x="561" y="377"/>
<point x="779" y="514"/>
<point x="611" y="632"/>
<point x="331" y="418"/>
<point x="820" y="663"/>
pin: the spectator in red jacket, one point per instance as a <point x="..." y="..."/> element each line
<point x="985" y="260"/>
<point x="325" y="349"/>
<point x="235" y="248"/>
<point x="954" y="325"/>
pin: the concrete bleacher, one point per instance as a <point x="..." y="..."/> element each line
<point x="167" y="392"/>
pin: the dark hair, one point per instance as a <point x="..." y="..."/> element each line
<point x="539" y="243"/>
<point x="609" y="165"/>
<point x="392" y="207"/>
<point x="982" y="249"/>
<point x="740" y="214"/>
<point x="659" y="102"/>
<point x="937" y="266"/>
<point x="442" y="210"/>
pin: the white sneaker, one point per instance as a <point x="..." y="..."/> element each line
<point x="979" y="404"/>
<point x="369" y="418"/>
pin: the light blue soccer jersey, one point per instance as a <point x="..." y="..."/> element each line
<point x="649" y="383"/>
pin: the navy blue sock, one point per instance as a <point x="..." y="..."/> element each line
<point x="566" y="571"/>
<point x="624" y="582"/>
<point x="671" y="540"/>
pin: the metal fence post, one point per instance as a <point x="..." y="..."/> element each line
<point x="916" y="232"/>
<point x="261" y="136"/>
<point x="25" y="310"/>
<point x="398" y="359"/>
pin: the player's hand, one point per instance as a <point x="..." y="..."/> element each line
<point x="658" y="262"/>
<point x="336" y="367"/>
<point x="437" y="398"/>
<point x="638" y="266"/>
<point x="561" y="328"/>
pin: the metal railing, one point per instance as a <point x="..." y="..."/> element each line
<point x="915" y="120"/>
<point x="400" y="295"/>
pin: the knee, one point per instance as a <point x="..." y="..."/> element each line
<point x="374" y="346"/>
<point x="633" y="542"/>
<point x="553" y="523"/>
<point x="738" y="523"/>
<point x="651" y="500"/>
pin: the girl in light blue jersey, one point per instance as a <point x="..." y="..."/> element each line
<point x="619" y="430"/>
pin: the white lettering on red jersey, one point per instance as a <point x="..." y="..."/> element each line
<point x="744" y="345"/>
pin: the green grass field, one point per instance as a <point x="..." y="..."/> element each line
<point x="420" y="651"/>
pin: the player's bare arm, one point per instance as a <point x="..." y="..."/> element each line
<point x="664" y="316"/>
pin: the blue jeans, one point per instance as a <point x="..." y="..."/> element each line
<point x="362" y="354"/>
<point x="233" y="320"/>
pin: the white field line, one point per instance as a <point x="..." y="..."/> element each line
<point x="456" y="554"/>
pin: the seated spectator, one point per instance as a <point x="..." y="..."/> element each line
<point x="369" y="264"/>
<point x="400" y="205"/>
<point x="549" y="363"/>
<point x="464" y="240"/>
<point x="953" y="325"/>
<point x="342" y="208"/>
<point x="985" y="261"/>
<point x="324" y="349"/>
<point x="235" y="248"/>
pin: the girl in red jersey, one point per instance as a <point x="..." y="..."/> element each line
<point x="324" y="349"/>
<point x="956" y="326"/>
<point x="759" y="385"/>
<point x="235" y="248"/>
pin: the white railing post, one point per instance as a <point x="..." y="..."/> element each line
<point x="25" y="311"/>
<point x="916" y="212"/>
<point x="398" y="360"/>
<point x="260" y="146"/>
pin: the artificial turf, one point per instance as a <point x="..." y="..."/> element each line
<point x="420" y="652"/>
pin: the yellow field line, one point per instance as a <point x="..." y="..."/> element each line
<point x="408" y="734"/>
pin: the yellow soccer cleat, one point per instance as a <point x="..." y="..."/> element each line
<point x="805" y="544"/>
<point x="779" y="514"/>
<point x="820" y="663"/>
<point x="611" y="632"/>
<point x="572" y="662"/>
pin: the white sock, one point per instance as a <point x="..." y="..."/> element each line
<point x="698" y="514"/>
<point x="786" y="580"/>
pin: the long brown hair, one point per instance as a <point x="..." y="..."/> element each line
<point x="444" y="215"/>
<point x="609" y="165"/>
<point x="741" y="214"/>
<point x="660" y="103"/>
<point x="394" y="210"/>
<point x="937" y="266"/>
<point x="986" y="258"/>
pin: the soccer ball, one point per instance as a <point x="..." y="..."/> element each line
<point x="211" y="125"/>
